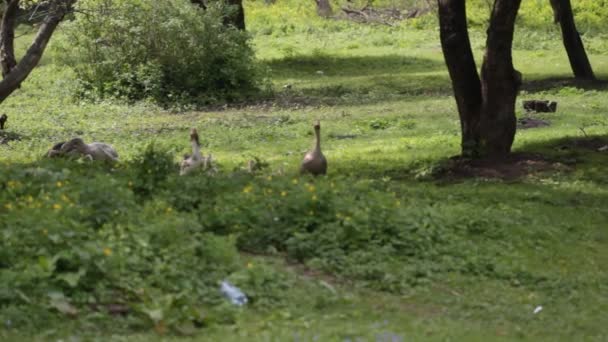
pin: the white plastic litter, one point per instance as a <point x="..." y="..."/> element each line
<point x="236" y="296"/>
<point x="538" y="309"/>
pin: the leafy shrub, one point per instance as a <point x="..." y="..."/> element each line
<point x="169" y="50"/>
<point x="151" y="169"/>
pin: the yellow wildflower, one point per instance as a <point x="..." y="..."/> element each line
<point x="57" y="206"/>
<point x="8" y="206"/>
<point x="59" y="184"/>
<point x="269" y="178"/>
<point x="168" y="210"/>
<point x="268" y="191"/>
<point x="314" y="197"/>
<point x="247" y="189"/>
<point x="45" y="232"/>
<point x="11" y="184"/>
<point x="283" y="193"/>
<point x="130" y="184"/>
<point x="310" y="187"/>
<point x="294" y="181"/>
<point x="65" y="198"/>
<point x="397" y="203"/>
<point x="107" y="251"/>
<point x="249" y="265"/>
<point x="29" y="199"/>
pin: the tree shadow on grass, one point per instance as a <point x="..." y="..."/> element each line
<point x="352" y="66"/>
<point x="556" y="83"/>
<point x="581" y="158"/>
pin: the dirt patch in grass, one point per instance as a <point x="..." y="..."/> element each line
<point x="526" y="123"/>
<point x="512" y="167"/>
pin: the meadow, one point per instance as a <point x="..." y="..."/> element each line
<point x="389" y="246"/>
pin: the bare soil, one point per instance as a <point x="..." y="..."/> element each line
<point x="512" y="167"/>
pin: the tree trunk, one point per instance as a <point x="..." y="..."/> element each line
<point x="486" y="106"/>
<point x="19" y="73"/>
<point x="237" y="16"/>
<point x="324" y="8"/>
<point x="499" y="81"/>
<point x="579" y="62"/>
<point x="237" y="19"/>
<point x="463" y="71"/>
<point x="7" y="37"/>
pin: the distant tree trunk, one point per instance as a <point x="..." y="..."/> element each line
<point x="486" y="106"/>
<point x="456" y="46"/>
<point x="19" y="72"/>
<point x="324" y="8"/>
<point x="7" y="37"/>
<point x="236" y="19"/>
<point x="562" y="10"/>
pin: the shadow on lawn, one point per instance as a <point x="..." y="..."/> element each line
<point x="557" y="83"/>
<point x="351" y="66"/>
<point x="579" y="157"/>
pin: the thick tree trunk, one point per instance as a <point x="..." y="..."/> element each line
<point x="237" y="19"/>
<point x="463" y="71"/>
<point x="19" y="73"/>
<point x="499" y="81"/>
<point x="487" y="106"/>
<point x="562" y="10"/>
<point x="324" y="8"/>
<point x="7" y="37"/>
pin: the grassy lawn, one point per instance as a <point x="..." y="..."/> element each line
<point x="484" y="253"/>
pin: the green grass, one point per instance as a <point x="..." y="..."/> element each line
<point x="481" y="254"/>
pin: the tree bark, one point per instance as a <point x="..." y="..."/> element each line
<point x="236" y="17"/>
<point x="486" y="106"/>
<point x="19" y="73"/>
<point x="324" y="8"/>
<point x="500" y="82"/>
<point x="579" y="62"/>
<point x="459" y="59"/>
<point x="7" y="37"/>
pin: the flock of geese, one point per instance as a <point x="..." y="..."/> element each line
<point x="314" y="161"/>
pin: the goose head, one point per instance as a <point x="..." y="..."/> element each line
<point x="194" y="137"/>
<point x="76" y="144"/>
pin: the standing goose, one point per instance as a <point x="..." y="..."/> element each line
<point x="93" y="151"/>
<point x="314" y="162"/>
<point x="195" y="160"/>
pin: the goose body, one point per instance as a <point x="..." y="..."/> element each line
<point x="314" y="161"/>
<point x="93" y="151"/>
<point x="196" y="160"/>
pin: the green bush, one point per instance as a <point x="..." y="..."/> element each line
<point x="170" y="51"/>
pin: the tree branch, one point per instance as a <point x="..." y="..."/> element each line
<point x="21" y="71"/>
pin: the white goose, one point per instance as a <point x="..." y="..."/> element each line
<point x="314" y="162"/>
<point x="93" y="151"/>
<point x="196" y="160"/>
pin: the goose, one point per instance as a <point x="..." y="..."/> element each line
<point x="55" y="151"/>
<point x="92" y="151"/>
<point x="3" y="119"/>
<point x="196" y="160"/>
<point x="314" y="162"/>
